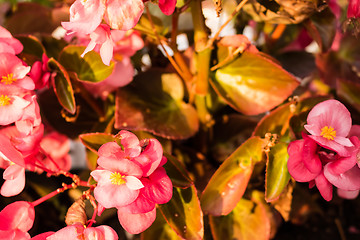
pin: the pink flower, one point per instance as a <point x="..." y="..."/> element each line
<point x="167" y="6"/>
<point x="353" y="9"/>
<point x="13" y="72"/>
<point x="101" y="36"/>
<point x="329" y="123"/>
<point x="85" y="16"/>
<point x="12" y="104"/>
<point x="31" y="116"/>
<point x="40" y="73"/>
<point x="78" y="231"/>
<point x="8" y="44"/>
<point x="15" y="220"/>
<point x="126" y="43"/>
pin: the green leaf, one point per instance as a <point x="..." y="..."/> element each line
<point x="177" y="172"/>
<point x="160" y="230"/>
<point x="253" y="84"/>
<point x="248" y="221"/>
<point x="277" y="174"/>
<point x="228" y="184"/>
<point x="93" y="141"/>
<point x="150" y="104"/>
<point x="62" y="86"/>
<point x="322" y="28"/>
<point x="33" y="49"/>
<point x="53" y="46"/>
<point x="183" y="213"/>
<point x="278" y="119"/>
<point x="90" y="68"/>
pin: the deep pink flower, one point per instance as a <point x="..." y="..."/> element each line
<point x="15" y="220"/>
<point x="329" y="123"/>
<point x="78" y="231"/>
<point x="167" y="6"/>
<point x="13" y="72"/>
<point x="8" y="44"/>
<point x="353" y="9"/>
<point x="40" y="73"/>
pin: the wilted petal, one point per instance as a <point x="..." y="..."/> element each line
<point x="136" y="223"/>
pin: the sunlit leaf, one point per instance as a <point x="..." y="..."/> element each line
<point x="62" y="86"/>
<point x="227" y="186"/>
<point x="93" y="141"/>
<point x="248" y="221"/>
<point x="253" y="84"/>
<point x="283" y="203"/>
<point x="183" y="213"/>
<point x="147" y="104"/>
<point x="89" y="68"/>
<point x="277" y="174"/>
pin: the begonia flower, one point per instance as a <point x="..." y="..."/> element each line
<point x="40" y="73"/>
<point x="13" y="72"/>
<point x="101" y="36"/>
<point x="31" y="116"/>
<point x="353" y="10"/>
<point x="15" y="220"/>
<point x="329" y="123"/>
<point x="78" y="231"/>
<point x="12" y="104"/>
<point x="9" y="44"/>
<point x="42" y="236"/>
<point x="85" y="16"/>
<point x="167" y="6"/>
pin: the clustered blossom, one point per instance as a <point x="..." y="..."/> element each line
<point x="328" y="155"/>
<point x="21" y="129"/>
<point x="131" y="178"/>
<point x="86" y="17"/>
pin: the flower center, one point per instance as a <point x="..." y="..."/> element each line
<point x="328" y="133"/>
<point x="4" y="100"/>
<point x="117" y="179"/>
<point x="9" y="79"/>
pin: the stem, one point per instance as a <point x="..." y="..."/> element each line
<point x="203" y="53"/>
<point x="233" y="14"/>
<point x="54" y="193"/>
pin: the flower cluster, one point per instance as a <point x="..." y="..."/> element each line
<point x="86" y="18"/>
<point x="328" y="155"/>
<point x="131" y="178"/>
<point x="21" y="129"/>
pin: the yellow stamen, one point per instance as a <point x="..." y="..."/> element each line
<point x="117" y="178"/>
<point x="9" y="79"/>
<point x="328" y="133"/>
<point x="4" y="100"/>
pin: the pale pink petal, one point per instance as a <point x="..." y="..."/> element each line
<point x="6" y="48"/>
<point x="140" y="205"/>
<point x="343" y="141"/>
<point x="42" y="236"/>
<point x="331" y="145"/>
<point x="100" y="232"/>
<point x="295" y="163"/>
<point x="349" y="180"/>
<point x="130" y="142"/>
<point x="324" y="186"/>
<point x="14" y="44"/>
<point x="89" y="47"/>
<point x="14" y="186"/>
<point x="167" y="6"/>
<point x="151" y="157"/>
<point x="347" y="194"/>
<point x="122" y="166"/>
<point x="14" y="235"/>
<point x="111" y="150"/>
<point x="13" y="171"/>
<point x="159" y="188"/>
<point x="70" y="232"/>
<point x="124" y="14"/>
<point x="136" y="223"/>
<point x="126" y="44"/>
<point x="12" y="112"/>
<point x="133" y="183"/>
<point x="106" y="52"/>
<point x="85" y="16"/>
<point x="17" y="215"/>
<point x="8" y="152"/>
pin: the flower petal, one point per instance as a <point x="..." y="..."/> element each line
<point x="151" y="157"/>
<point x="15" y="186"/>
<point x="324" y="186"/>
<point x="133" y="183"/>
<point x="136" y="223"/>
<point x="310" y="157"/>
<point x="347" y="194"/>
<point x="349" y="180"/>
<point x="17" y="215"/>
<point x="159" y="188"/>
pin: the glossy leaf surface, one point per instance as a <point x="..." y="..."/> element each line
<point x="253" y="84"/>
<point x="183" y="213"/>
<point x="93" y="141"/>
<point x="227" y="186"/>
